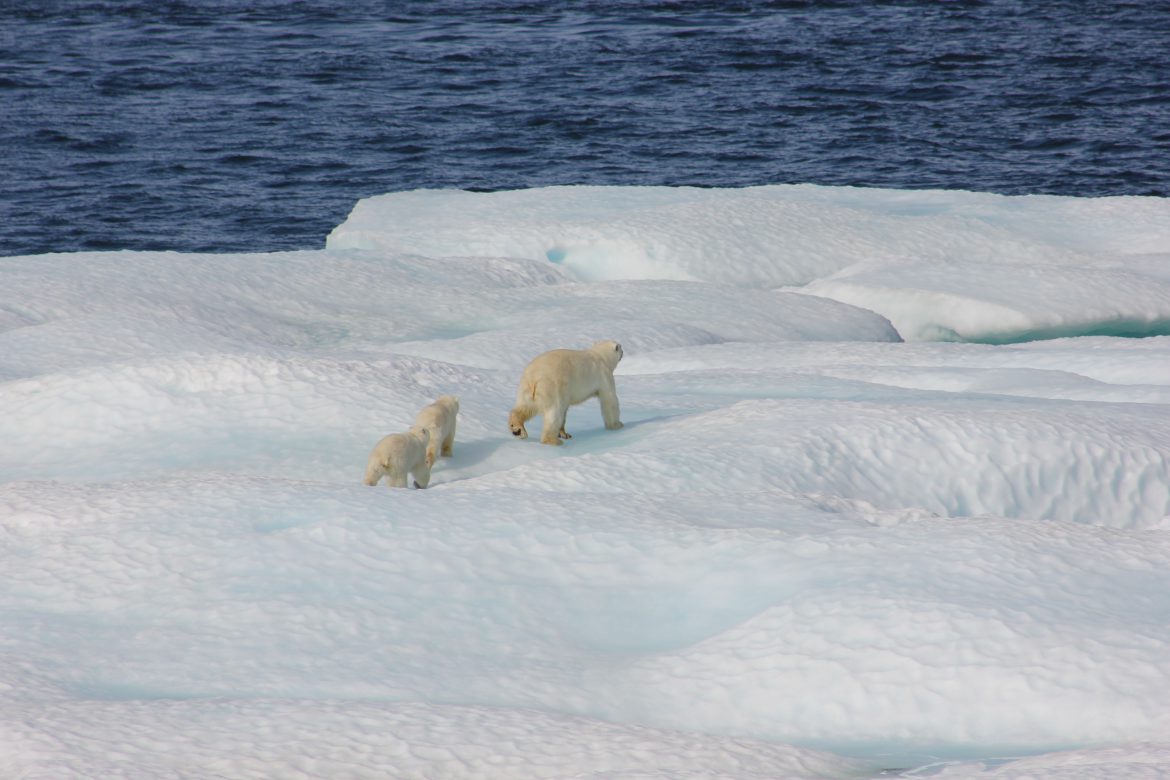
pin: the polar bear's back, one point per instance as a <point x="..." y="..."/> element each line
<point x="405" y="449"/>
<point x="439" y="416"/>
<point x="576" y="373"/>
<point x="396" y="444"/>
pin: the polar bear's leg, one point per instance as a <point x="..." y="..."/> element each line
<point x="374" y="472"/>
<point x="448" y="442"/>
<point x="554" y="423"/>
<point x="564" y="434"/>
<point x="519" y="415"/>
<point x="422" y="475"/>
<point x="432" y="449"/>
<point x="610" y="411"/>
<point x="396" y="477"/>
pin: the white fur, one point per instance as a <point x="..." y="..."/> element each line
<point x="439" y="421"/>
<point x="561" y="378"/>
<point x="400" y="454"/>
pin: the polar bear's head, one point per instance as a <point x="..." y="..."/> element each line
<point x="610" y="351"/>
<point x="450" y="402"/>
<point x="420" y="433"/>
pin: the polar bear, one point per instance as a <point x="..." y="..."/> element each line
<point x="439" y="421"/>
<point x="400" y="454"/>
<point x="560" y="378"/>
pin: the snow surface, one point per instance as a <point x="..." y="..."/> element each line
<point x="956" y="266"/>
<point x="814" y="551"/>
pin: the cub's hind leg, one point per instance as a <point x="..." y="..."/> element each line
<point x="448" y="443"/>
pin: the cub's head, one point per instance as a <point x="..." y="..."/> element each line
<point x="516" y="424"/>
<point x="610" y="351"/>
<point x="421" y="433"/>
<point x="449" y="401"/>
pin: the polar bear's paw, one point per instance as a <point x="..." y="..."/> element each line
<point x="516" y="419"/>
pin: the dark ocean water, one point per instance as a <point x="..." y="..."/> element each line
<point x="223" y="125"/>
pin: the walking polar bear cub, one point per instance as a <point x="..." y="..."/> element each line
<point x="397" y="455"/>
<point x="439" y="421"/>
<point x="561" y="378"/>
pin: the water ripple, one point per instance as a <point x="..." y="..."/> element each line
<point x="256" y="125"/>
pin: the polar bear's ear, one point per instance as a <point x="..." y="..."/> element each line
<point x="618" y="349"/>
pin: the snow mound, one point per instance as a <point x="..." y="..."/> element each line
<point x="1000" y="303"/>
<point x="1134" y="762"/>
<point x="284" y="739"/>
<point x="956" y="266"/>
<point x="995" y="458"/>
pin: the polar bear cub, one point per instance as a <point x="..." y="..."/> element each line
<point x="439" y="421"/>
<point x="560" y="378"/>
<point x="400" y="454"/>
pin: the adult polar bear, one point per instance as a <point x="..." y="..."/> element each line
<point x="560" y="378"/>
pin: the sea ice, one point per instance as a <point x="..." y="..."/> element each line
<point x="815" y="550"/>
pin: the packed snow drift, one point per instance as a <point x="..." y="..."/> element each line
<point x="892" y="494"/>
